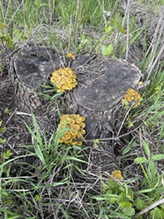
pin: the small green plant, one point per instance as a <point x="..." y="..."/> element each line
<point x="7" y="154"/>
<point x="2" y="129"/>
<point x="107" y="50"/>
<point x="86" y="42"/>
<point x="118" y="196"/>
<point x="150" y="171"/>
<point x="96" y="143"/>
<point x="50" y="93"/>
<point x="5" y="38"/>
<point x="53" y="170"/>
<point x="124" y="202"/>
<point x="48" y="151"/>
<point x="151" y="187"/>
<point x="112" y="28"/>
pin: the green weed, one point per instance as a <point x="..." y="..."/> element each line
<point x="52" y="158"/>
<point x="2" y="129"/>
<point x="119" y="200"/>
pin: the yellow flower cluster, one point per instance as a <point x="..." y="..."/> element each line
<point x="132" y="95"/>
<point x="74" y="125"/>
<point x="70" y="56"/>
<point x="64" y="78"/>
<point x="117" y="175"/>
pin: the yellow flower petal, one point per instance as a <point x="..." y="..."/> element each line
<point x="140" y="82"/>
<point x="70" y="55"/>
<point x="130" y="96"/>
<point x="79" y="143"/>
<point x="116" y="174"/>
<point x="80" y="119"/>
<point x="64" y="78"/>
<point x="82" y="131"/>
<point x="79" y="136"/>
<point x="73" y="133"/>
<point x="76" y="131"/>
<point x="76" y="127"/>
<point x="66" y="136"/>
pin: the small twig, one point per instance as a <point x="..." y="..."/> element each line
<point x="155" y="61"/>
<point x="156" y="41"/>
<point x="17" y="9"/>
<point x="155" y="204"/>
<point x="23" y="114"/>
<point x="3" y="59"/>
<point x="113" y="138"/>
<point x="152" y="45"/>
<point x="128" y="17"/>
<point x="10" y="117"/>
<point x="122" y="123"/>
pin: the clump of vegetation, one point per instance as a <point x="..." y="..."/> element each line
<point x="118" y="193"/>
<point x="132" y="96"/>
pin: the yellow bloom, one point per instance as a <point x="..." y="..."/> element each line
<point x="69" y="80"/>
<point x="83" y="131"/>
<point x="140" y="82"/>
<point x="70" y="55"/>
<point x="76" y="127"/>
<point x="79" y="136"/>
<point x="82" y="125"/>
<point x="80" y="119"/>
<point x="64" y="78"/>
<point x="67" y="87"/>
<point x="74" y="131"/>
<point x="57" y="80"/>
<point x="68" y="142"/>
<point x="66" y="136"/>
<point x="79" y="143"/>
<point x="74" y="81"/>
<point x="130" y="96"/>
<point x="117" y="175"/>
<point x="59" y="90"/>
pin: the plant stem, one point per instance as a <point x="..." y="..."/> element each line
<point x="155" y="204"/>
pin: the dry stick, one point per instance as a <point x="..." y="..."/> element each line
<point x="153" y="41"/>
<point x="79" y="9"/>
<point x="5" y="15"/>
<point x="127" y="42"/>
<point x="155" y="47"/>
<point x="10" y="117"/>
<point x="114" y="138"/>
<point x="51" y="11"/>
<point x="158" y="41"/>
<point x="15" y="13"/>
<point x="157" y="58"/>
<point x="155" y="204"/>
<point x="122" y="123"/>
